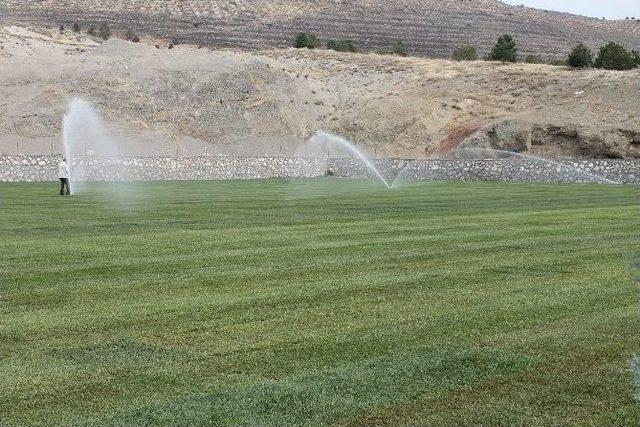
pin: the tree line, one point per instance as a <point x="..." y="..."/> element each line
<point x="311" y="41"/>
<point x="103" y="31"/>
<point x="611" y="56"/>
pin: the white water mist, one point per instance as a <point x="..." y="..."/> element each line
<point x="85" y="135"/>
<point x="322" y="142"/>
<point x="481" y="153"/>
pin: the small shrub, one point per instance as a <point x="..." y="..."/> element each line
<point x="636" y="57"/>
<point x="465" y="52"/>
<point x="504" y="50"/>
<point x="61" y="29"/>
<point x="76" y="28"/>
<point x="91" y="31"/>
<point x="170" y="46"/>
<point x="300" y="41"/>
<point x="533" y="59"/>
<point x="557" y="62"/>
<point x="613" y="56"/>
<point x="104" y="32"/>
<point x="310" y="41"/>
<point x="131" y="36"/>
<point x="399" y="48"/>
<point x="313" y="41"/>
<point x="341" y="45"/>
<point x="580" y="57"/>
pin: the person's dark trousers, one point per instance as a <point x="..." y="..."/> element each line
<point x="64" y="182"/>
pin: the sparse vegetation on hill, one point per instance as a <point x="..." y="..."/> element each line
<point x="399" y="48"/>
<point x="310" y="41"/>
<point x="131" y="36"/>
<point x="341" y="45"/>
<point x="465" y="52"/>
<point x="104" y="31"/>
<point x="614" y="56"/>
<point x="432" y="28"/>
<point x="533" y="59"/>
<point x="580" y="57"/>
<point x="505" y="50"/>
<point x="557" y="62"/>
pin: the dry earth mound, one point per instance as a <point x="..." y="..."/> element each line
<point x="191" y="101"/>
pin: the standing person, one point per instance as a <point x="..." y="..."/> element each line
<point x="63" y="174"/>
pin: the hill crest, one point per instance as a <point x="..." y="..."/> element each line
<point x="429" y="28"/>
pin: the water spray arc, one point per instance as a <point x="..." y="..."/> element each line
<point x="325" y="139"/>
<point x="321" y="143"/>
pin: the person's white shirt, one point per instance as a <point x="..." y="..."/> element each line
<point x="63" y="169"/>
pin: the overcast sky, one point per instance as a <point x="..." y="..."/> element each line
<point x="598" y="8"/>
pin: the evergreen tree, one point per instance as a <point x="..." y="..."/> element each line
<point x="505" y="50"/>
<point x="636" y="57"/>
<point x="580" y="57"/>
<point x="303" y="40"/>
<point x="614" y="56"/>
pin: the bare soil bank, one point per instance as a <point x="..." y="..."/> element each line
<point x="191" y="101"/>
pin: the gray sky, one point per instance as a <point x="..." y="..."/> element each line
<point x="598" y="8"/>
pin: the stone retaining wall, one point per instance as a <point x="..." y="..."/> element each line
<point x="520" y="169"/>
<point x="21" y="168"/>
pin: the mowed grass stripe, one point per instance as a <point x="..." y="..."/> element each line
<point x="180" y="243"/>
<point x="318" y="302"/>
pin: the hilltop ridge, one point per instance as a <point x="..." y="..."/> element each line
<point x="431" y="28"/>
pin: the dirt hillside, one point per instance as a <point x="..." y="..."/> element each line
<point x="190" y="100"/>
<point x="431" y="28"/>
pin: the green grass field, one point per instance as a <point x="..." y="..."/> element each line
<point x="322" y="302"/>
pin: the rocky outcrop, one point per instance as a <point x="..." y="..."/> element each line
<point x="558" y="140"/>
